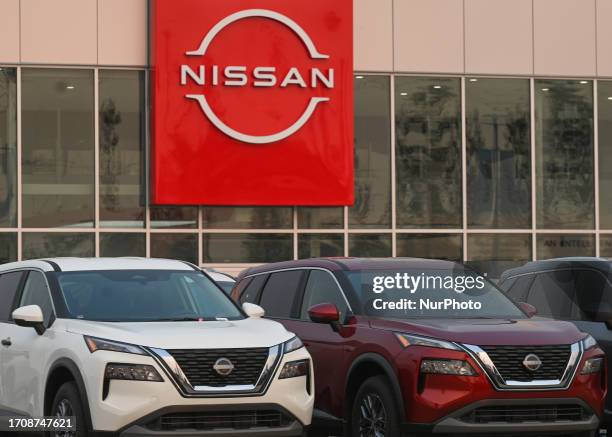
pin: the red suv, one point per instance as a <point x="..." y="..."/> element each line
<point x="410" y="346"/>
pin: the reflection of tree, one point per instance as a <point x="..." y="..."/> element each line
<point x="109" y="139"/>
<point x="428" y="157"/>
<point x="566" y="157"/>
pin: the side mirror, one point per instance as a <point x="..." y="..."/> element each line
<point x="529" y="309"/>
<point x="30" y="316"/>
<point x="253" y="311"/>
<point x="324" y="313"/>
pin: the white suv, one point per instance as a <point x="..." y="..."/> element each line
<point x="145" y="347"/>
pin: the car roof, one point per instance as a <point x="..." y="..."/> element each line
<point x="348" y="264"/>
<point x="559" y="263"/>
<point x="84" y="264"/>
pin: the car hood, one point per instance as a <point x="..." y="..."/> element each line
<point x="488" y="332"/>
<point x="186" y="335"/>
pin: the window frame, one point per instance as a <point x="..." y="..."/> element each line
<point x="19" y="295"/>
<point x="303" y="295"/>
<point x="16" y="296"/>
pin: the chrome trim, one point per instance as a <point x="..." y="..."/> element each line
<point x="176" y="374"/>
<point x="488" y="367"/>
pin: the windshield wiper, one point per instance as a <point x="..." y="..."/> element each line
<point x="178" y="319"/>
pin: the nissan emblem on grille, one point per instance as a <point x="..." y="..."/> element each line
<point x="223" y="366"/>
<point x="532" y="362"/>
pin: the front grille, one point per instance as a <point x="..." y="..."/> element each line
<point x="220" y="420"/>
<point x="509" y="361"/>
<point x="197" y="365"/>
<point x="531" y="413"/>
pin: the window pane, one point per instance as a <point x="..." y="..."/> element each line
<point x="436" y="246"/>
<point x="322" y="288"/>
<point x="121" y="148"/>
<point x="8" y="148"/>
<point x="9" y="284"/>
<point x="317" y="245"/>
<point x="183" y="247"/>
<point x="279" y="293"/>
<point x="605" y="153"/>
<point x="247" y="248"/>
<point x="552" y="293"/>
<point x="564" y="154"/>
<point x="44" y="245"/>
<point x="493" y="254"/>
<point x="370" y="245"/>
<point x="8" y="248"/>
<point x="58" y="147"/>
<point x="176" y="217"/>
<point x="122" y="244"/>
<point x="320" y="218"/>
<point x="498" y="153"/>
<point x="247" y="218"/>
<point x="36" y="292"/>
<point x="428" y="152"/>
<point x="557" y="246"/>
<point x="372" y="154"/>
<point x="605" y="245"/>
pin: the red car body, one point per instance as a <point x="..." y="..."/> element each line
<point x="348" y="352"/>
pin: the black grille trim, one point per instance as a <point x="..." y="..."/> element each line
<point x="509" y="361"/>
<point x="527" y="413"/>
<point x="221" y="420"/>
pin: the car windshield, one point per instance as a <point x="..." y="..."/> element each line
<point x="144" y="296"/>
<point x="445" y="293"/>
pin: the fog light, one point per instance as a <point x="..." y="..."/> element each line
<point x="293" y="369"/>
<point x="592" y="365"/>
<point x="132" y="372"/>
<point x="447" y="367"/>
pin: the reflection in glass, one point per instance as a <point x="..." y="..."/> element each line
<point x="183" y="247"/>
<point x="58" y="147"/>
<point x="320" y="245"/>
<point x="605" y="245"/>
<point x="492" y="254"/>
<point x="247" y="248"/>
<point x="564" y="154"/>
<point x="320" y="218"/>
<point x="8" y="248"/>
<point x="247" y="218"/>
<point x="54" y="244"/>
<point x="370" y="245"/>
<point x="176" y="217"/>
<point x="428" y="152"/>
<point x="605" y="153"/>
<point x="558" y="245"/>
<point x="435" y="246"/>
<point x="8" y="148"/>
<point x="121" y="148"/>
<point x="122" y="244"/>
<point x="498" y="153"/>
<point x="372" y="154"/>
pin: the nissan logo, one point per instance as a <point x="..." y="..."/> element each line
<point x="532" y="362"/>
<point x="223" y="366"/>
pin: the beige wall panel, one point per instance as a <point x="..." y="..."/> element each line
<point x="492" y="43"/>
<point x="428" y="36"/>
<point x="373" y="35"/>
<point x="564" y="37"/>
<point x="604" y="37"/>
<point x="59" y="31"/>
<point x="122" y="32"/>
<point x="9" y="31"/>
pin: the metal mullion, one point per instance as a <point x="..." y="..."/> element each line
<point x="346" y="231"/>
<point x="596" y="163"/>
<point x="147" y="181"/>
<point x="19" y="172"/>
<point x="464" y="170"/>
<point x="97" y="161"/>
<point x="295" y="234"/>
<point x="200" y="240"/>
<point x="393" y="170"/>
<point x="532" y="122"/>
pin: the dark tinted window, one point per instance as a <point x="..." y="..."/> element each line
<point x="279" y="293"/>
<point x="593" y="296"/>
<point x="322" y="288"/>
<point x="36" y="292"/>
<point x="518" y="288"/>
<point x="552" y="293"/>
<point x="8" y="288"/>
<point x="251" y="294"/>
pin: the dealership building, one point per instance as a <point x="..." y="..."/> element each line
<point x="483" y="133"/>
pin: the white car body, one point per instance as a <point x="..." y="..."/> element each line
<point x="29" y="364"/>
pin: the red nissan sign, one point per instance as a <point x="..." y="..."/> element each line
<point x="252" y="102"/>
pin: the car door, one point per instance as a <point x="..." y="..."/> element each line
<point x="326" y="346"/>
<point x="22" y="360"/>
<point x="9" y="286"/>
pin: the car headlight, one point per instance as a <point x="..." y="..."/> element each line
<point x="415" y="340"/>
<point x="588" y="342"/>
<point x="293" y="369"/>
<point x="447" y="367"/>
<point x="592" y="365"/>
<point x="132" y="372"/>
<point x="292" y="345"/>
<point x="100" y="344"/>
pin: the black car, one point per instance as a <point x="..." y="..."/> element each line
<point x="574" y="289"/>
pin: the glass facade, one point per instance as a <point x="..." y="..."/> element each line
<point x="491" y="171"/>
